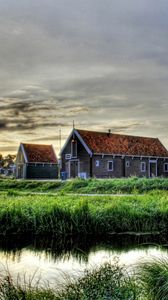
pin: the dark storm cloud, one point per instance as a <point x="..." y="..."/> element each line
<point x="30" y="115"/>
<point x="101" y="63"/>
<point x="2" y="124"/>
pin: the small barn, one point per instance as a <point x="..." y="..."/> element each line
<point x="107" y="155"/>
<point x="36" y="162"/>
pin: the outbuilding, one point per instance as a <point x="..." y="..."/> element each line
<point x="35" y="161"/>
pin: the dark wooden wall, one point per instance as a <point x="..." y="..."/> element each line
<point x="39" y="171"/>
<point x="121" y="170"/>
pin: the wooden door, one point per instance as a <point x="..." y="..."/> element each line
<point x="74" y="169"/>
<point x="20" y="171"/>
<point x="153" y="169"/>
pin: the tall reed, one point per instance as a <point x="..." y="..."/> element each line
<point x="153" y="276"/>
<point x="72" y="215"/>
<point x="107" y="282"/>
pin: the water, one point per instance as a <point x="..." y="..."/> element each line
<point x="55" y="262"/>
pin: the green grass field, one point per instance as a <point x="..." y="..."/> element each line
<point x="107" y="186"/>
<point x="72" y="215"/>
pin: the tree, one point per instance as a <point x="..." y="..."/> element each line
<point x="6" y="161"/>
<point x="1" y="160"/>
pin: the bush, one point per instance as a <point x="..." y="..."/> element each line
<point x="153" y="277"/>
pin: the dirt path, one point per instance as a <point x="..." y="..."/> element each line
<point x="80" y="194"/>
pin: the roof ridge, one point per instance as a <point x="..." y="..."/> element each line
<point x="127" y="135"/>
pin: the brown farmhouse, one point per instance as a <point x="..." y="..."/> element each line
<point x="104" y="155"/>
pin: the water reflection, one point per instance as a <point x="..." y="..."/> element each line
<point x="79" y="247"/>
<point x="56" y="260"/>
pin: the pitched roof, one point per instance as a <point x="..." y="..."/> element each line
<point x="105" y="143"/>
<point x="40" y="153"/>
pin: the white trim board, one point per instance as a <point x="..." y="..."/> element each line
<point x="132" y="156"/>
<point x="66" y="143"/>
<point x="152" y="161"/>
<point x="74" y="131"/>
<point x="24" y="153"/>
<point x="83" y="143"/>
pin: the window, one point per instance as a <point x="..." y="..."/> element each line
<point x="127" y="164"/>
<point x="143" y="166"/>
<point x="67" y="156"/>
<point x="110" y="165"/>
<point x="166" y="167"/>
<point x="74" y="148"/>
<point x="97" y="163"/>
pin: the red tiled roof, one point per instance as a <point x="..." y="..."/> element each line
<point x="40" y="153"/>
<point x="104" y="143"/>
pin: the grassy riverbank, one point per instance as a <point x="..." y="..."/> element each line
<point x="72" y="215"/>
<point x="104" y="186"/>
<point x="148" y="281"/>
<point x="108" y="282"/>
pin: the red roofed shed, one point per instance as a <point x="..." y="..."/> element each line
<point x="36" y="162"/>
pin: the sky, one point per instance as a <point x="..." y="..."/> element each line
<point x="101" y="63"/>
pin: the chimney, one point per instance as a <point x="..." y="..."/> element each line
<point x="109" y="133"/>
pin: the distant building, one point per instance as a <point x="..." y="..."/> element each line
<point x="104" y="155"/>
<point x="36" y="162"/>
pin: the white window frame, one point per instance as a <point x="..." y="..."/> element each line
<point x="68" y="156"/>
<point x="143" y="163"/>
<point x="110" y="161"/>
<point x="97" y="163"/>
<point x="72" y="156"/>
<point x="127" y="163"/>
<point x="165" y="166"/>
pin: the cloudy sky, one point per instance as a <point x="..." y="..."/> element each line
<point x="101" y="63"/>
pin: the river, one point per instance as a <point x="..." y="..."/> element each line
<point x="54" y="262"/>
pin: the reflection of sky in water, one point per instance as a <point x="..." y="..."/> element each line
<point x="39" y="265"/>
